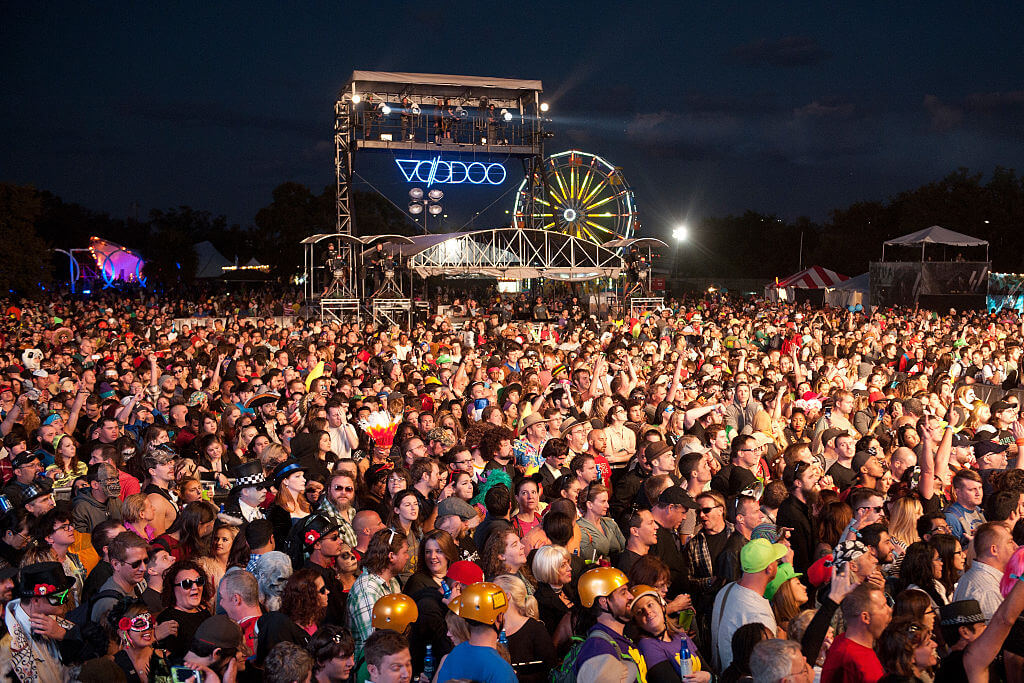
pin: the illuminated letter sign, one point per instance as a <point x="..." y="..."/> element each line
<point x="440" y="172"/>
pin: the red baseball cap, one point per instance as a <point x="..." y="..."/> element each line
<point x="465" y="572"/>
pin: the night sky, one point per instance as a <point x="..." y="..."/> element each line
<point x="709" y="108"/>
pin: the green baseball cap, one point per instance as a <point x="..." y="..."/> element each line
<point x="785" y="573"/>
<point x="756" y="555"/>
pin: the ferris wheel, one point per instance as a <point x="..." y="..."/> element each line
<point x="581" y="195"/>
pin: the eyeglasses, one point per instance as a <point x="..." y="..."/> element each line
<point x="58" y="598"/>
<point x="188" y="584"/>
<point x="347" y="489"/>
<point x="873" y="508"/>
<point x="707" y="511"/>
<point x="136" y="564"/>
<point x="323" y="590"/>
<point x="66" y="526"/>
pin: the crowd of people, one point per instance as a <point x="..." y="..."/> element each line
<point x="722" y="490"/>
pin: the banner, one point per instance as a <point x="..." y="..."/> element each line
<point x="954" y="278"/>
<point x="895" y="283"/>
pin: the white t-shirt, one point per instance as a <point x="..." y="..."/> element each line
<point x="744" y="606"/>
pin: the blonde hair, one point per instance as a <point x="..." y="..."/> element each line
<point x="903" y="521"/>
<point x="515" y="589"/>
<point x="546" y="562"/>
<point x="274" y="453"/>
<point x="457" y="627"/>
<point x="132" y="507"/>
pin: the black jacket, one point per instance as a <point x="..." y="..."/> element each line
<point x="794" y="514"/>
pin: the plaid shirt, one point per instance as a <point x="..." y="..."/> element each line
<point x="700" y="563"/>
<point x="345" y="530"/>
<point x="365" y="592"/>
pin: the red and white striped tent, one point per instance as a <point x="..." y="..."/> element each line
<point x="814" y="277"/>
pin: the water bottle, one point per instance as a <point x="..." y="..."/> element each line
<point x="428" y="662"/>
<point x="685" y="665"/>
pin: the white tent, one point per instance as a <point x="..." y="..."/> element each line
<point x="849" y="292"/>
<point x="209" y="262"/>
<point x="935" y="235"/>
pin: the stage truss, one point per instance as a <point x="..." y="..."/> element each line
<point x="511" y="253"/>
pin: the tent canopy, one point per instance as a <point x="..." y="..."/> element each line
<point x="936" y="235"/>
<point x="859" y="283"/>
<point x="209" y="261"/>
<point x="814" y="277"/>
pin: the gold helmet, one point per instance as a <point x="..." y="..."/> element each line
<point x="641" y="590"/>
<point x="481" y="602"/>
<point x="600" y="583"/>
<point x="394" y="612"/>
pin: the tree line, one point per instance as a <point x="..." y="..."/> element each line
<point x="753" y="244"/>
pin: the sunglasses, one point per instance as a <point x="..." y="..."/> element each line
<point x="187" y="584"/>
<point x="707" y="511"/>
<point x="136" y="564"/>
<point x="324" y="590"/>
<point x="58" y="599"/>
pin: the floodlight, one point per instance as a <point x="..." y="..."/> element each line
<point x="415" y="109"/>
<point x="544" y="106"/>
<point x="435" y="209"/>
<point x="356" y="99"/>
<point x="461" y="113"/>
<point x="416" y="193"/>
<point x="506" y="114"/>
<point x="435" y="195"/>
<point x="415" y="209"/>
<point x="681" y="233"/>
<point x="384" y="108"/>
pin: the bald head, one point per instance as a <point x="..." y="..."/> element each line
<point x="902" y="459"/>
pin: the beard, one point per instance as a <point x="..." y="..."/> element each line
<point x="813" y="497"/>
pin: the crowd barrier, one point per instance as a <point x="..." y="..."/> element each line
<point x="279" y="320"/>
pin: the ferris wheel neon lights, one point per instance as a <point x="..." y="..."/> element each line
<point x="440" y="172"/>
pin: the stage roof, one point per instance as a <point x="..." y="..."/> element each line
<point x="937" y="235"/>
<point x="441" y="85"/>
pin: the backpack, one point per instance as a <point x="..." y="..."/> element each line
<point x="94" y="635"/>
<point x="566" y="671"/>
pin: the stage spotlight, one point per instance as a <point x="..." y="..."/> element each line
<point x="544" y="106"/>
<point x="435" y="195"/>
<point x="680" y="233"/>
<point x="461" y="113"/>
<point x="415" y="209"/>
<point x="384" y="108"/>
<point x="415" y="109"/>
<point x="416" y="193"/>
<point x="506" y="114"/>
<point x="435" y="209"/>
<point x="356" y="99"/>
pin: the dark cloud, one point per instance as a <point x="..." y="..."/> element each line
<point x="944" y="117"/>
<point x="217" y="115"/>
<point x="790" y="51"/>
